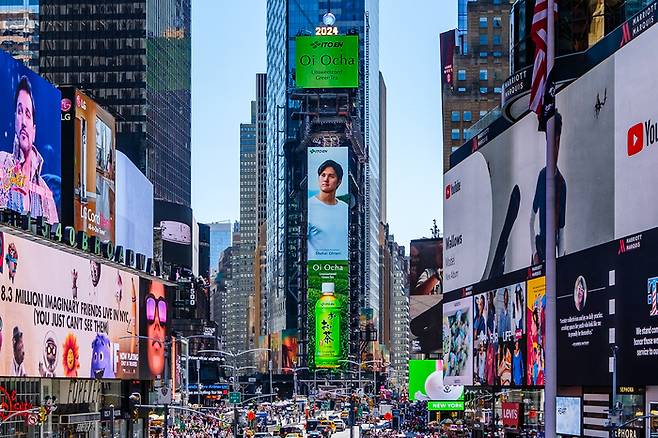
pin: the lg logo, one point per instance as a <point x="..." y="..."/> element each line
<point x="641" y="135"/>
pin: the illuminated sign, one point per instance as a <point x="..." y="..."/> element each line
<point x="327" y="61"/>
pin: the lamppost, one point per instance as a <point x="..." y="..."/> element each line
<point x="294" y="377"/>
<point x="358" y="364"/>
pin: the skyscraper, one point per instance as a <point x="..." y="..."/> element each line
<point x="19" y="30"/>
<point x="473" y="85"/>
<point x="134" y="57"/>
<point x="288" y="123"/>
<point x="220" y="239"/>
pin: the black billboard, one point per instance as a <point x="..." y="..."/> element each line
<point x="175" y="224"/>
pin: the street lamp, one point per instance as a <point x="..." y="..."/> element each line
<point x="234" y="356"/>
<point x="358" y="364"/>
<point x="294" y="376"/>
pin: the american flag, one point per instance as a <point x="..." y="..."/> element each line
<point x="539" y="34"/>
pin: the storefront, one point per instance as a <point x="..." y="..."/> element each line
<point x="512" y="411"/>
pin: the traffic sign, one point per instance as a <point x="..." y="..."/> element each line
<point x="234" y="397"/>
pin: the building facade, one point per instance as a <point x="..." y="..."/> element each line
<point x="286" y="158"/>
<point x="134" y="58"/>
<point x="220" y="239"/>
<point x="19" y="30"/>
<point x="260" y="260"/>
<point x="479" y="66"/>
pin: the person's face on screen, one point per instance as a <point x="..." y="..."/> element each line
<point x="25" y="125"/>
<point x="156" y="318"/>
<point x="328" y="180"/>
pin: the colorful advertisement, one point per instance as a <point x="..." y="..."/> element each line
<point x="328" y="204"/>
<point x="89" y="134"/>
<point x="458" y="342"/>
<point x="66" y="315"/>
<point x="289" y="347"/>
<point x="175" y="224"/>
<point x="30" y="142"/>
<point x="426" y="382"/>
<point x="328" y="256"/>
<point x="134" y="207"/>
<point x="328" y="313"/>
<point x="275" y="345"/>
<point x="327" y="61"/>
<point x="154" y="324"/>
<point x="499" y="336"/>
<point x="536" y="321"/>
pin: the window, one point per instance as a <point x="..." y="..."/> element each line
<point x="497" y="40"/>
<point x="498" y="90"/>
<point x="484" y="54"/>
<point x="454" y="148"/>
<point x="461" y="90"/>
<point x="455" y="134"/>
<point x="483" y="90"/>
<point x="484" y="75"/>
<point x="454" y="116"/>
<point x="483" y="22"/>
<point x="483" y="113"/>
<point x="497" y="54"/>
<point x="496" y="2"/>
<point x="484" y="40"/>
<point x="468" y="116"/>
<point x="497" y="22"/>
<point x="461" y="75"/>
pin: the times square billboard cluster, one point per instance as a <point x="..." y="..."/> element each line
<point x="76" y="282"/>
<point x="493" y="313"/>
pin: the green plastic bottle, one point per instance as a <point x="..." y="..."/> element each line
<point x="327" y="328"/>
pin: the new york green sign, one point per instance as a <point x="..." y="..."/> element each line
<point x="445" y="405"/>
<point x="327" y="61"/>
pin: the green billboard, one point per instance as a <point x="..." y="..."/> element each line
<point x="426" y="383"/>
<point x="328" y="313"/>
<point x="445" y="405"/>
<point x="327" y="61"/>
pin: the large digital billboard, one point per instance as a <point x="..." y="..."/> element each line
<point x="88" y="137"/>
<point x="327" y="61"/>
<point x="426" y="382"/>
<point x="458" y="342"/>
<point x="155" y="321"/>
<point x="494" y="206"/>
<point x="426" y="292"/>
<point x="30" y="142"/>
<point x="66" y="315"/>
<point x="134" y="207"/>
<point x="328" y="256"/>
<point x="499" y="348"/>
<point x="175" y="223"/>
<point x="536" y="334"/>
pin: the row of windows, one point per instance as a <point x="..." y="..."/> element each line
<point x="496" y="21"/>
<point x="483" y="90"/>
<point x="497" y="40"/>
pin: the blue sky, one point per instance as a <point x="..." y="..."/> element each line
<point x="228" y="49"/>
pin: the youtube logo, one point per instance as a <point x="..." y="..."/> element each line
<point x="448" y="191"/>
<point x="635" y="139"/>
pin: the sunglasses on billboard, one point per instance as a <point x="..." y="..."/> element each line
<point x="154" y="304"/>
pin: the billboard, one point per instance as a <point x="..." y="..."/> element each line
<point x="175" y="222"/>
<point x="328" y="203"/>
<point x="447" y="43"/>
<point x="155" y="321"/>
<point x="426" y="293"/>
<point x="585" y="286"/>
<point x="327" y="61"/>
<point x="567" y="419"/>
<point x="499" y="348"/>
<point x="328" y="256"/>
<point x="536" y="335"/>
<point x="289" y="347"/>
<point x="493" y="194"/>
<point x="134" y="207"/>
<point x="66" y="315"/>
<point x="458" y="342"/>
<point x="426" y="382"/>
<point x="88" y="140"/>
<point x="30" y="142"/>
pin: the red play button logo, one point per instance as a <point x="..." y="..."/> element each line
<point x="635" y="139"/>
<point x="448" y="191"/>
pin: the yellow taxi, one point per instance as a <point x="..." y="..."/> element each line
<point x="328" y="423"/>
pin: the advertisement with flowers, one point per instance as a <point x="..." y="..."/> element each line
<point x="62" y="315"/>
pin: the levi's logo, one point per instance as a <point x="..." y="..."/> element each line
<point x="641" y="135"/>
<point x="635" y="141"/>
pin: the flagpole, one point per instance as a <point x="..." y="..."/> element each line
<point x="550" y="349"/>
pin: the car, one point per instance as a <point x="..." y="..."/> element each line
<point x="340" y="424"/>
<point x="262" y="435"/>
<point x="315" y="434"/>
<point x="328" y="423"/>
<point x="344" y="415"/>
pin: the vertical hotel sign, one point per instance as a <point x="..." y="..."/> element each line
<point x="328" y="256"/>
<point x="447" y="43"/>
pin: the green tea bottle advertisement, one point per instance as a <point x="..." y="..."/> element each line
<point x="327" y="327"/>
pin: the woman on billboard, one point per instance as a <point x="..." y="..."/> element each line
<point x="22" y="188"/>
